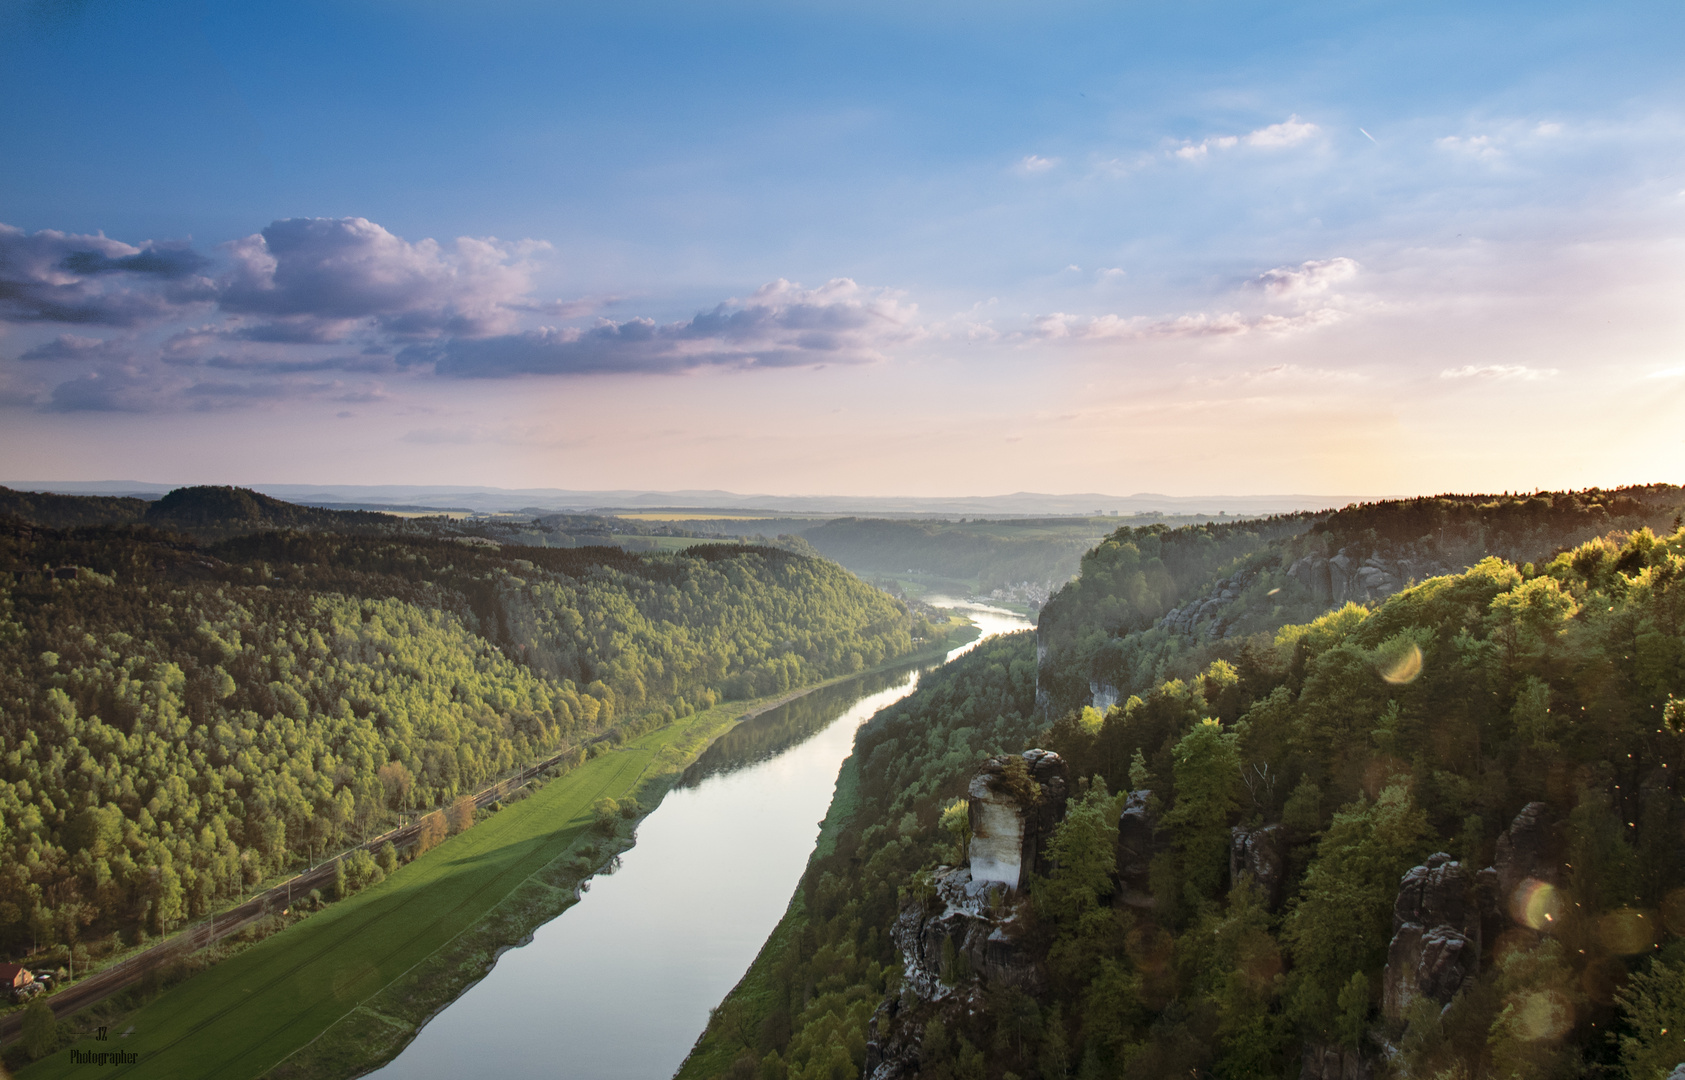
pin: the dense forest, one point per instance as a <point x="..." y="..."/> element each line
<point x="180" y="720"/>
<point x="1150" y="600"/>
<point x="1435" y="834"/>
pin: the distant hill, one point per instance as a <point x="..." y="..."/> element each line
<point x="216" y="512"/>
<point x="71" y="511"/>
<point x="552" y="500"/>
<point x="204" y="513"/>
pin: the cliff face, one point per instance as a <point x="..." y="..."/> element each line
<point x="1014" y="805"/>
<point x="965" y="930"/>
<point x="1444" y="916"/>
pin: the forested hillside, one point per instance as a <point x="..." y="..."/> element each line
<point x="1150" y="601"/>
<point x="1022" y="560"/>
<point x="1226" y="894"/>
<point x="178" y="722"/>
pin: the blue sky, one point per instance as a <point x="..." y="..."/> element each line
<point x="900" y="249"/>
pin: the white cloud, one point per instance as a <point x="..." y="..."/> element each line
<point x="1480" y="147"/>
<point x="1035" y="164"/>
<point x="1499" y="372"/>
<point x="1290" y="132"/>
<point x="1059" y="326"/>
<point x="318" y="279"/>
<point x="1307" y="279"/>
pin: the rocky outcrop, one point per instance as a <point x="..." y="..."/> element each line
<point x="964" y="932"/>
<point x="1321" y="1061"/>
<point x="1347" y="576"/>
<point x="967" y="924"/>
<point x="1261" y="853"/>
<point x="1207" y="618"/>
<point x="892" y="1043"/>
<point x="1137" y="842"/>
<point x="1014" y="806"/>
<point x="1436" y="936"/>
<point x="1527" y="850"/>
<point x="1102" y="694"/>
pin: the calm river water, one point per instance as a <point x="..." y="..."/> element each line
<point x="619" y="985"/>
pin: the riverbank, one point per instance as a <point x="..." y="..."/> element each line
<point x="344" y="990"/>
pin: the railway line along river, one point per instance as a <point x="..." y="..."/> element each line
<point x="619" y="986"/>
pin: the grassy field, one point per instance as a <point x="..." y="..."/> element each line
<point x="348" y="987"/>
<point x="243" y="1017"/>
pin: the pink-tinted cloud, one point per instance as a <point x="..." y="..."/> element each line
<point x="779" y="325"/>
<point x="55" y="277"/>
<point x="317" y="279"/>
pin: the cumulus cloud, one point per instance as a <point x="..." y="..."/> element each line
<point x="55" y="277"/>
<point x="315" y="279"/>
<point x="1519" y="372"/>
<point x="780" y="325"/>
<point x="1308" y="279"/>
<point x="1290" y="132"/>
<point x="1036" y="164"/>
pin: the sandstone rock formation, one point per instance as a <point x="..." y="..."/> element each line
<point x="1262" y="853"/>
<point x="1320" y="1061"/>
<point x="1526" y="850"/>
<point x="1137" y="843"/>
<point x="968" y="931"/>
<point x="1436" y="936"/>
<point x="1013" y="812"/>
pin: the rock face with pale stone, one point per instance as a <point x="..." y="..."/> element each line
<point x="1010" y="825"/>
<point x="965" y="930"/>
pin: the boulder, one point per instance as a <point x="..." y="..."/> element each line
<point x="1259" y="852"/>
<point x="892" y="1048"/>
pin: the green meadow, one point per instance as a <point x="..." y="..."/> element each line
<point x="345" y="989"/>
<point x="247" y="1015"/>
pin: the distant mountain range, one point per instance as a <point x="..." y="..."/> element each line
<point x="546" y="500"/>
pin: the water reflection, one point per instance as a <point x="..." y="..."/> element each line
<point x="619" y="986"/>
<point x="766" y="736"/>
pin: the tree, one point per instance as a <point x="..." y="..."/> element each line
<point x="1654" y="1006"/>
<point x="460" y="815"/>
<point x="1345" y="908"/>
<point x="605" y="813"/>
<point x="40" y="1029"/>
<point x="431" y="832"/>
<point x="1207" y="771"/>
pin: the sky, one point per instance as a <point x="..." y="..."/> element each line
<point x="864" y="248"/>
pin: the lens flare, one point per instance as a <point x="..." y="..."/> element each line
<point x="1405" y="668"/>
<point x="1673" y="911"/>
<point x="1536" y="904"/>
<point x="1541" y="1014"/>
<point x="1627" y="931"/>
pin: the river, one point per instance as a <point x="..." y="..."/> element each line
<point x="619" y="986"/>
